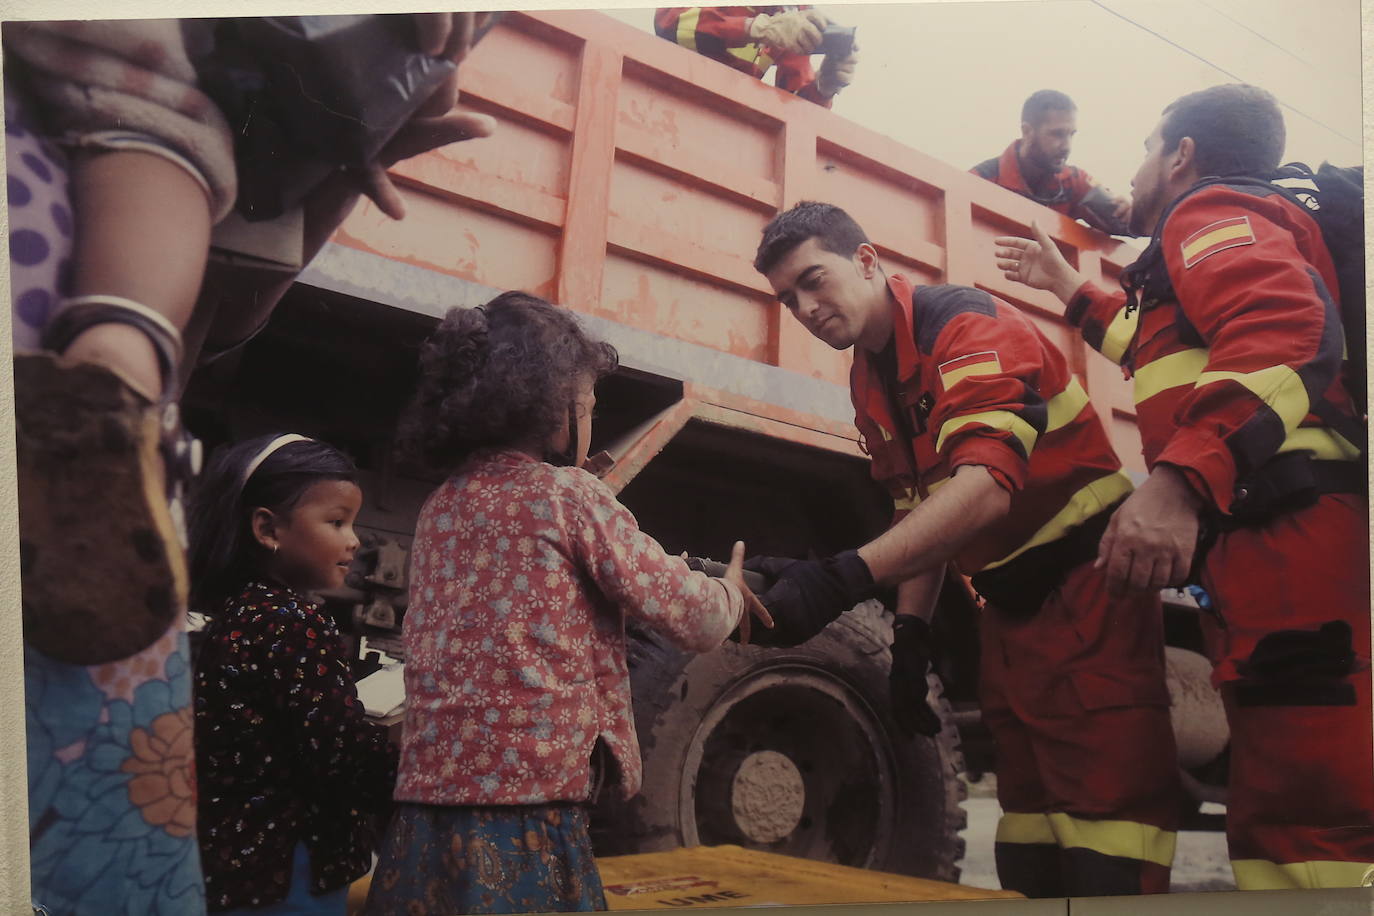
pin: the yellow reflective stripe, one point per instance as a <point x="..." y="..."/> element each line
<point x="1181" y="368"/>
<point x="1122" y="839"/>
<point x="687" y="28"/>
<point x="1083" y="505"/>
<point x="1025" y="828"/>
<point x="995" y="419"/>
<point x="954" y="376"/>
<point x="906" y="503"/>
<point x="1324" y="444"/>
<point x="1119" y="334"/>
<point x="1262" y="875"/>
<point x="754" y="54"/>
<point x="1066" y="405"/>
<point x="1278" y="386"/>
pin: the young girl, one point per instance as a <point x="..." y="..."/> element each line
<point x="523" y="571"/>
<point x="290" y="774"/>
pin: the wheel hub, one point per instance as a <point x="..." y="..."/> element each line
<point x="791" y="760"/>
<point x="767" y="796"/>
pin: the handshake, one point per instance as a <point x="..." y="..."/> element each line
<point x="803" y="596"/>
<point x="809" y="32"/>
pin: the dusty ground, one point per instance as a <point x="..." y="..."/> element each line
<point x="1200" y="863"/>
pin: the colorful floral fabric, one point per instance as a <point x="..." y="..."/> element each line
<point x="522" y="575"/>
<point x="112" y="809"/>
<point x="110" y="768"/>
<point x="283" y="750"/>
<point x="440" y="861"/>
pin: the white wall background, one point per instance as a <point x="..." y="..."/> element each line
<point x="948" y="78"/>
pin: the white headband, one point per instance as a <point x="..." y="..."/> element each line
<point x="268" y="449"/>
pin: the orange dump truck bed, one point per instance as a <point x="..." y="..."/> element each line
<point x="629" y="180"/>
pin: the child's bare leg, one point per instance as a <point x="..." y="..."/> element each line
<point x="102" y="565"/>
<point x="142" y="233"/>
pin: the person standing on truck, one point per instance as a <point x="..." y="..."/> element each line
<point x="1231" y="326"/>
<point x="1036" y="166"/>
<point x="524" y="569"/>
<point x="996" y="461"/>
<point x="753" y="39"/>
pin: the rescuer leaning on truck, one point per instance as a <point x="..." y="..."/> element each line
<point x="524" y="569"/>
<point x="1036" y="166"/>
<point x="1231" y="328"/>
<point x="996" y="461"/>
<point x="752" y="39"/>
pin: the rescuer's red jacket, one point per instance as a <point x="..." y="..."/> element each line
<point x="722" y="33"/>
<point x="978" y="384"/>
<point x="1229" y="366"/>
<point x="1070" y="191"/>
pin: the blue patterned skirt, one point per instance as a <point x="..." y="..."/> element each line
<point x="439" y="859"/>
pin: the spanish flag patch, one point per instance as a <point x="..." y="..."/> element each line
<point x="984" y="363"/>
<point x="1224" y="233"/>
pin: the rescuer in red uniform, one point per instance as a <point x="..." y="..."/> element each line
<point x="996" y="461"/>
<point x="1036" y="166"/>
<point x="754" y="38"/>
<point x="1232" y="331"/>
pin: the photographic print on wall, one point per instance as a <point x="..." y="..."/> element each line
<point x="636" y="158"/>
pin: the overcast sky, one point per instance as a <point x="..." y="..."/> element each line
<point x="948" y="78"/>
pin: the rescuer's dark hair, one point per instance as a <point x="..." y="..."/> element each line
<point x="502" y="375"/>
<point x="832" y="228"/>
<point x="1041" y="103"/>
<point x="1237" y="129"/>
<point x="223" y="554"/>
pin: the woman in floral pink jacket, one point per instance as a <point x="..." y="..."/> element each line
<point x="524" y="570"/>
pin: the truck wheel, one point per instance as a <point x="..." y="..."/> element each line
<point x="792" y="751"/>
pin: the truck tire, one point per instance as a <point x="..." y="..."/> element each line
<point x="792" y="751"/>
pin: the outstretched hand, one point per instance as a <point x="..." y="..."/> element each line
<point x="1036" y="262"/>
<point x="753" y="607"/>
<point x="808" y="594"/>
<point x="1122" y="209"/>
<point x="448" y="36"/>
<point x="416" y="136"/>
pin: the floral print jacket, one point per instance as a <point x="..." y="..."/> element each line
<point x="283" y="751"/>
<point x="522" y="576"/>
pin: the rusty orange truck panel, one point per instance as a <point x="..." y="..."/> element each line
<point x="630" y="180"/>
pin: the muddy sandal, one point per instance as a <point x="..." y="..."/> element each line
<point x="102" y="471"/>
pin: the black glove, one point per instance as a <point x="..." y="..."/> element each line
<point x="808" y="594"/>
<point x="911" y="652"/>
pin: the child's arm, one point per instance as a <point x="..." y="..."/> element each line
<point x="632" y="570"/>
